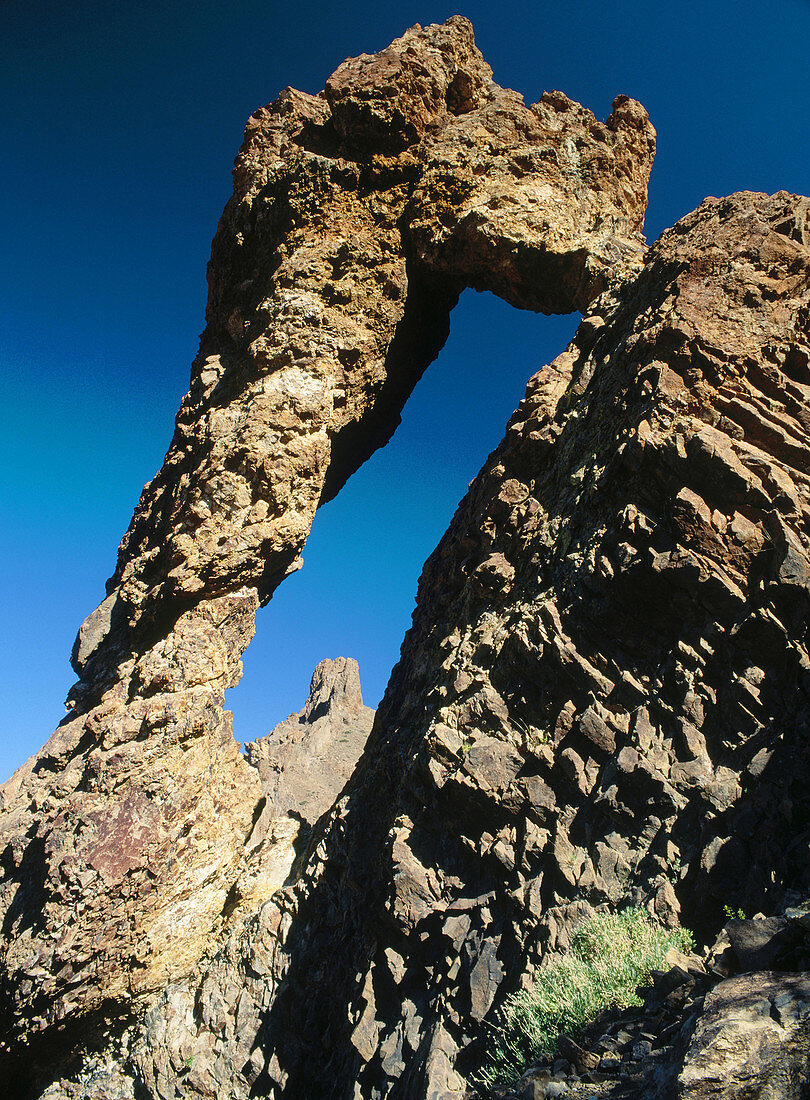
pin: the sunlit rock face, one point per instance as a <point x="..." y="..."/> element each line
<point x="129" y="843"/>
<point x="357" y="217"/>
<point x="602" y="700"/>
<point x="603" y="695"/>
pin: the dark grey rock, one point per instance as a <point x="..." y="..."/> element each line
<point x="758" y="943"/>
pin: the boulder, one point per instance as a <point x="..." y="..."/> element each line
<point x="752" y="1040"/>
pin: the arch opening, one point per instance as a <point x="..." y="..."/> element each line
<point x="355" y="594"/>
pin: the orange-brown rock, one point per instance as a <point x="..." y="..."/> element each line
<point x="357" y="218"/>
<point x="624" y="721"/>
<point x="128" y="843"/>
<point x="602" y="699"/>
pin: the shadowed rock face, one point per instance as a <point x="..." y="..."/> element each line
<point x="129" y="843"/>
<point x="603" y="697"/>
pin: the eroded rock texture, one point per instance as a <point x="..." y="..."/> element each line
<point x="603" y="699"/>
<point x="753" y="1040"/>
<point x="306" y="761"/>
<point x="129" y="844"/>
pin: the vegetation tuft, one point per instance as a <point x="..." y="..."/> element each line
<point x="610" y="955"/>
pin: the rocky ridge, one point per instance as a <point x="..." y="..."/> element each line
<point x="603" y="696"/>
<point x="357" y="217"/>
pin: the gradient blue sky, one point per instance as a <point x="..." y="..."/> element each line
<point x="119" y="125"/>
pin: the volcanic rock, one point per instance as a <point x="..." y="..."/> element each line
<point x="695" y="1037"/>
<point x="358" y="215"/>
<point x="305" y="762"/>
<point x="758" y="943"/>
<point x="702" y="672"/>
<point x="470" y="842"/>
<point x="603" y="696"/>
<point x="752" y="1040"/>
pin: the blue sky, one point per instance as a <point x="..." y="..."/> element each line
<point x="118" y="128"/>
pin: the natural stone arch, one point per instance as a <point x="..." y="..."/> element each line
<point x="358" y="215"/>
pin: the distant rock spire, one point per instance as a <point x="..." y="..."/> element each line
<point x="306" y="760"/>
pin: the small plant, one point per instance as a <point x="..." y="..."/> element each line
<point x="610" y="956"/>
<point x="732" y="914"/>
<point x="531" y="736"/>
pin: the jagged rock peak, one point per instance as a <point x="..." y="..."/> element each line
<point x="306" y="760"/>
<point x="603" y="696"/>
<point x="335" y="687"/>
<point x="388" y="101"/>
<point x="602" y="699"/>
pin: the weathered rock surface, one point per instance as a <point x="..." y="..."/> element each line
<point x="128" y="844"/>
<point x="752" y="1040"/>
<point x="603" y="697"/>
<point x="122" y="839"/>
<point x="357" y="217"/>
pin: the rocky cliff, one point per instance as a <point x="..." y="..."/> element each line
<point x="602" y="698"/>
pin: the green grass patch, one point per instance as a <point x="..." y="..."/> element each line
<point x="610" y="955"/>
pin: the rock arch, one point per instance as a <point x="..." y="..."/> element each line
<point x="357" y="217"/>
